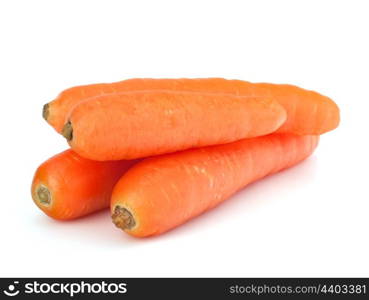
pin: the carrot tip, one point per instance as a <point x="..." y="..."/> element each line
<point x="122" y="218"/>
<point x="45" y="111"/>
<point x="43" y="195"/>
<point x="67" y="131"/>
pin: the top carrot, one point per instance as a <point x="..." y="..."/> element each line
<point x="141" y="124"/>
<point x="308" y="112"/>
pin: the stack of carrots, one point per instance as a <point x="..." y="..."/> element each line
<point x="162" y="151"/>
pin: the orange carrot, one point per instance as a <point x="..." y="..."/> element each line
<point x="307" y="112"/>
<point x="141" y="124"/>
<point x="68" y="186"/>
<point x="163" y="192"/>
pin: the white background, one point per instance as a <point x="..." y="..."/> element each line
<point x="311" y="220"/>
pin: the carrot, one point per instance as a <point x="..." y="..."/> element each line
<point x="307" y="111"/>
<point x="68" y="186"/>
<point x="141" y="124"/>
<point x="163" y="192"/>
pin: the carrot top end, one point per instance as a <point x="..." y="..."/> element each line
<point x="45" y="111"/>
<point x="67" y="131"/>
<point x="123" y="218"/>
<point x="43" y="195"/>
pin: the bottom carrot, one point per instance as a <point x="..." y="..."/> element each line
<point x="68" y="186"/>
<point x="163" y="192"/>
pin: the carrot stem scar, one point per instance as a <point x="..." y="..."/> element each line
<point x="43" y="195"/>
<point x="67" y="131"/>
<point x="45" y="111"/>
<point x="122" y="218"/>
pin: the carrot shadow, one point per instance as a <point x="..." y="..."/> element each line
<point x="96" y="228"/>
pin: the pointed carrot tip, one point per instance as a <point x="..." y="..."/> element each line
<point x="67" y="131"/>
<point x="123" y="218"/>
<point x="45" y="111"/>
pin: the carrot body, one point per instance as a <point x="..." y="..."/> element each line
<point x="163" y="192"/>
<point x="141" y="124"/>
<point x="68" y="186"/>
<point x="308" y="112"/>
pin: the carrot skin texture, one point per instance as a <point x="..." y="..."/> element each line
<point x="308" y="112"/>
<point x="67" y="186"/>
<point x="163" y="192"/>
<point x="141" y="124"/>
